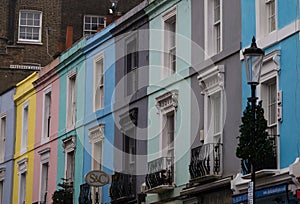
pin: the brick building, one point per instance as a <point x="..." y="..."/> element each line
<point x="34" y="32"/>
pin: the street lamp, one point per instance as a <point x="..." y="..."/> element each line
<point x="253" y="57"/>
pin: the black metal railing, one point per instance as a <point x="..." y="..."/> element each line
<point x="122" y="186"/>
<point x="160" y="172"/>
<point x="206" y="160"/>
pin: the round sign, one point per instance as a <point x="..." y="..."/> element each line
<point x="96" y="178"/>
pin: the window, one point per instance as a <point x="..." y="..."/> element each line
<point x="212" y="86"/>
<point x="266" y="17"/>
<point x="46" y="114"/>
<point x="130" y="150"/>
<point x="92" y="23"/>
<point x="213" y="26"/>
<point x="1" y="192"/>
<point x="169" y="43"/>
<point x="24" y="127"/>
<point x="71" y="101"/>
<point x="2" y="137"/>
<point x="167" y="106"/>
<point x="44" y="182"/>
<point x="214" y="122"/>
<point x="22" y="171"/>
<point x="131" y="67"/>
<point x="269" y="96"/>
<point x="99" y="82"/>
<point x="96" y="135"/>
<point x="168" y="133"/>
<point x="69" y="149"/>
<point x="30" y="26"/>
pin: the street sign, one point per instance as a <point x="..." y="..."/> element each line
<point x="250" y="193"/>
<point x="97" y="178"/>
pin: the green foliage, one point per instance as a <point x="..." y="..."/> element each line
<point x="261" y="152"/>
<point x="64" y="195"/>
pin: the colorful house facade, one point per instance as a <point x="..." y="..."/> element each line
<point x="98" y="121"/>
<point x="7" y="144"/>
<point x="169" y="99"/>
<point x="273" y="23"/>
<point x="45" y="143"/>
<point x="25" y="101"/>
<point x="71" y="113"/>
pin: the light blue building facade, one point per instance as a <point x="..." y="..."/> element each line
<point x="7" y="143"/>
<point x="71" y="71"/>
<point x="98" y="121"/>
<point x="275" y="25"/>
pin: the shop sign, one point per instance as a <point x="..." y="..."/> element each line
<point x="261" y="193"/>
<point x="97" y="178"/>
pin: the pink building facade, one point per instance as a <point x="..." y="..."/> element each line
<point x="45" y="153"/>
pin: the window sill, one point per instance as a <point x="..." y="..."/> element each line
<point x="29" y="42"/>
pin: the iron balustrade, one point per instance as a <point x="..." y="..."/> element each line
<point x="206" y="160"/>
<point x="160" y="172"/>
<point x="122" y="186"/>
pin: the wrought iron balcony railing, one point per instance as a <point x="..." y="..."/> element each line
<point x="160" y="173"/>
<point x="206" y="161"/>
<point x="122" y="187"/>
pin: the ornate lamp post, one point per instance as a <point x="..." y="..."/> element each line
<point x="253" y="57"/>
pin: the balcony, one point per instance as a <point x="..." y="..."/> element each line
<point x="122" y="188"/>
<point x="206" y="162"/>
<point x="160" y="175"/>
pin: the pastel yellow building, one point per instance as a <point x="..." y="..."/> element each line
<point x="25" y="100"/>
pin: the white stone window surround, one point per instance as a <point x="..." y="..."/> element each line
<point x="71" y="98"/>
<point x="96" y="136"/>
<point x="133" y="74"/>
<point x="22" y="170"/>
<point x="46" y="91"/>
<point x="44" y="158"/>
<point x="171" y="13"/>
<point x="271" y="70"/>
<point x="25" y="123"/>
<point x="167" y="103"/>
<point x="2" y="136"/>
<point x="261" y="8"/>
<point x="209" y="28"/>
<point x="2" y="174"/>
<point x="28" y="25"/>
<point x="99" y="82"/>
<point x="69" y="145"/>
<point x="211" y="82"/>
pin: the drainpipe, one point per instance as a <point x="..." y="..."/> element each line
<point x="11" y="21"/>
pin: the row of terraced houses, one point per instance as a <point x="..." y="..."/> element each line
<point x="155" y="101"/>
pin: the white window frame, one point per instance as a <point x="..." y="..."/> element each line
<point x="24" y="139"/>
<point x="168" y="67"/>
<point x="2" y="176"/>
<point x="92" y="31"/>
<point x="22" y="172"/>
<point x="132" y="76"/>
<point x="211" y="27"/>
<point x="167" y="103"/>
<point x="263" y="16"/>
<point x="30" y="26"/>
<point x="99" y="82"/>
<point x="2" y="136"/>
<point x="270" y="72"/>
<point x="45" y="126"/>
<point x="69" y="145"/>
<point x="71" y="101"/>
<point x="44" y="160"/>
<point x="96" y="136"/>
<point x="211" y="82"/>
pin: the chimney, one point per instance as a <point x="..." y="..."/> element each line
<point x="69" y="37"/>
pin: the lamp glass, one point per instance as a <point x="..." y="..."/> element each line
<point x="253" y="65"/>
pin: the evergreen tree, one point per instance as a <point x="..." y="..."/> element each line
<point x="261" y="153"/>
<point x="64" y="195"/>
